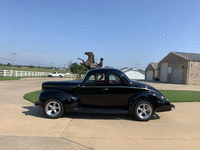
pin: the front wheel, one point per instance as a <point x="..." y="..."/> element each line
<point x="53" y="108"/>
<point x="143" y="111"/>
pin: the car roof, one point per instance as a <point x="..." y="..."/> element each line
<point x="104" y="70"/>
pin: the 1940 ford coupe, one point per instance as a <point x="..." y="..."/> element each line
<point x="102" y="88"/>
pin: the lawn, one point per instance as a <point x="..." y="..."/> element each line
<point x="181" y="96"/>
<point x="172" y="96"/>
<point x="18" y="78"/>
<point x="10" y="78"/>
<point x="34" y="69"/>
<point x="32" y="96"/>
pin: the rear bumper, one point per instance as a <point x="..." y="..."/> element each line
<point x="165" y="108"/>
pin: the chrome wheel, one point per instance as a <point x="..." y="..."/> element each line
<point x="144" y="111"/>
<point x="53" y="108"/>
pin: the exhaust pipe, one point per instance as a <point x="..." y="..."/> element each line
<point x="36" y="104"/>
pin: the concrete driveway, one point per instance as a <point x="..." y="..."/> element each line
<point x="24" y="127"/>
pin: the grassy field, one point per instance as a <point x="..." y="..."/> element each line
<point x="10" y="78"/>
<point x="18" y="78"/>
<point x="181" y="96"/>
<point x="172" y="96"/>
<point x="32" y="96"/>
<point x="34" y="69"/>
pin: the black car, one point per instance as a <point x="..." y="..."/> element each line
<point x="102" y="88"/>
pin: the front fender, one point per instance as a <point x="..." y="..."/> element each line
<point x="64" y="97"/>
<point x="155" y="98"/>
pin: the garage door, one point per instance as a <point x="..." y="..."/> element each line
<point x="177" y="75"/>
<point x="149" y="75"/>
<point x="163" y="72"/>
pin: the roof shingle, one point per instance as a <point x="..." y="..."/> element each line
<point x="189" y="56"/>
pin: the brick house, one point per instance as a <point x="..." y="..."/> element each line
<point x="151" y="72"/>
<point x="179" y="67"/>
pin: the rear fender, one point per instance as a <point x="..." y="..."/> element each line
<point x="64" y="97"/>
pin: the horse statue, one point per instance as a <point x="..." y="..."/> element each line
<point x="90" y="63"/>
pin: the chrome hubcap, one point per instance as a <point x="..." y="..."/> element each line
<point x="53" y="108"/>
<point x="144" y="111"/>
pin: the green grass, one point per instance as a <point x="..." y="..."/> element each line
<point x="10" y="78"/>
<point x="181" y="96"/>
<point x="18" y="78"/>
<point x="34" y="69"/>
<point x="172" y="96"/>
<point x="32" y="96"/>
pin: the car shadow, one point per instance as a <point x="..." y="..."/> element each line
<point x="98" y="116"/>
<point x="32" y="111"/>
<point x="37" y="112"/>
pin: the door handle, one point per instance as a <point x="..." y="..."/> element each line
<point x="106" y="89"/>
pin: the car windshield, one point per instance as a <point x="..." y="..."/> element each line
<point x="85" y="76"/>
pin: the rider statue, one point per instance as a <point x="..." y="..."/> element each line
<point x="90" y="63"/>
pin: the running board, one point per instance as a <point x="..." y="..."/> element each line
<point x="100" y="110"/>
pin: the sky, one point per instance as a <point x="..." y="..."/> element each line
<point x="126" y="33"/>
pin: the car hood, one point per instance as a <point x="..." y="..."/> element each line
<point x="143" y="85"/>
<point x="60" y="84"/>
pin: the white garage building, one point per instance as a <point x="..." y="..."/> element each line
<point x="134" y="73"/>
<point x="151" y="72"/>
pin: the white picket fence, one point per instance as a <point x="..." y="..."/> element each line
<point x="16" y="73"/>
<point x="6" y="73"/>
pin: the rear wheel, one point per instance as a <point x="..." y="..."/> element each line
<point x="143" y="110"/>
<point x="60" y="76"/>
<point x="53" y="108"/>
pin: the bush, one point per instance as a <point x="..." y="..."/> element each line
<point x="77" y="69"/>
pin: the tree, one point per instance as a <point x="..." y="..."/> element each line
<point x="82" y="69"/>
<point x="74" y="67"/>
<point x="77" y="69"/>
<point x="8" y="64"/>
<point x="31" y="66"/>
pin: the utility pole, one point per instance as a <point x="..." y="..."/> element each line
<point x="13" y="62"/>
<point x="137" y="65"/>
<point x="51" y="66"/>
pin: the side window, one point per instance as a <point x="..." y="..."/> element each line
<point x="97" y="78"/>
<point x="114" y="79"/>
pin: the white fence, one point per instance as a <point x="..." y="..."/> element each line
<point x="6" y="73"/>
<point x="71" y="76"/>
<point x="16" y="73"/>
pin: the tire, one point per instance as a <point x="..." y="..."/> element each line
<point x="143" y="110"/>
<point x="53" y="108"/>
<point x="60" y="76"/>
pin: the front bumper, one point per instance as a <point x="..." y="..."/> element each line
<point x="165" y="108"/>
<point x="172" y="106"/>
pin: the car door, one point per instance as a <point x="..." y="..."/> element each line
<point x="94" y="90"/>
<point x="119" y="92"/>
